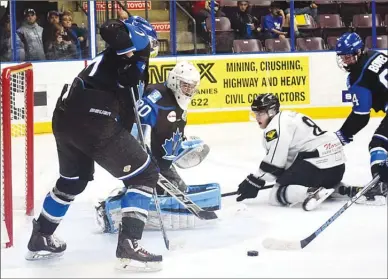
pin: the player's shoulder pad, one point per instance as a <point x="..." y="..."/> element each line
<point x="154" y="96"/>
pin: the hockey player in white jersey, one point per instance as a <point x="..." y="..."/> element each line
<point x="305" y="162"/>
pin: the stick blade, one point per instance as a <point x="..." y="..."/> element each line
<point x="279" y="244"/>
<point x="207" y="215"/>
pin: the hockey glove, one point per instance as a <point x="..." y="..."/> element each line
<point x="249" y="188"/>
<point x="343" y="139"/>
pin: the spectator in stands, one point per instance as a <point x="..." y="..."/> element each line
<point x="58" y="48"/>
<point x="244" y="23"/>
<point x="52" y="18"/>
<point x="69" y="34"/>
<point x="203" y="14"/>
<point x="30" y="34"/>
<point x="273" y="22"/>
<point x="5" y="42"/>
<point x="122" y="15"/>
<point x="305" y="7"/>
<point x="82" y="35"/>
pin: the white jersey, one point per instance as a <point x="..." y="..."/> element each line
<point x="290" y="133"/>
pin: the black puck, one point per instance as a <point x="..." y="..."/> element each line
<point x="253" y="253"/>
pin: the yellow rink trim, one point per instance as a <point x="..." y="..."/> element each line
<point x="215" y="117"/>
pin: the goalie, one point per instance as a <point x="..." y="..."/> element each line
<point x="163" y="115"/>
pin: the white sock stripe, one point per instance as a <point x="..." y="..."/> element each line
<point x="361" y="113"/>
<point x="51" y="218"/>
<point x="378" y="148"/>
<point x="60" y="193"/>
<point x="381" y="136"/>
<point x="58" y="200"/>
<point x="70" y="178"/>
<point x="139" y="191"/>
<point x="135" y="215"/>
<point x="377" y="162"/>
<point x="134" y="209"/>
<point x="142" y="167"/>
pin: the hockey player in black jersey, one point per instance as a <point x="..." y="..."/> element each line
<point x="368" y="83"/>
<point x="163" y="114"/>
<point x="92" y="123"/>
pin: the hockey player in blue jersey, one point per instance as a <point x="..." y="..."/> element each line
<point x="163" y="114"/>
<point x="368" y="84"/>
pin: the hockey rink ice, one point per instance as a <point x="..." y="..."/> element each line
<point x="354" y="246"/>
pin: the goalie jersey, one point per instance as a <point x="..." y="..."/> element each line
<point x="159" y="110"/>
<point x="289" y="135"/>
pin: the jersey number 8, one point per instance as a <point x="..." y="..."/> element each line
<point x="316" y="130"/>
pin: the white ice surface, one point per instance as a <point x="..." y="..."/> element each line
<point x="355" y="245"/>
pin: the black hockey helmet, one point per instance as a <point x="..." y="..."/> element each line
<point x="266" y="102"/>
<point x="116" y="35"/>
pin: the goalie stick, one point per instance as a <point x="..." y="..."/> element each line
<point x="140" y="131"/>
<point x="279" y="244"/>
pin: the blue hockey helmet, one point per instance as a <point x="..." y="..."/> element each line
<point x="148" y="29"/>
<point x="348" y="48"/>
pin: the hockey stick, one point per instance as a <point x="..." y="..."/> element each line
<point x="278" y="244"/>
<point x="185" y="200"/>
<point x="235" y="192"/>
<point x="140" y="132"/>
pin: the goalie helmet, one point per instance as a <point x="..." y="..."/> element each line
<point x="348" y="48"/>
<point x="183" y="80"/>
<point x="268" y="103"/>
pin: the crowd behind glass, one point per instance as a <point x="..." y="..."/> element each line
<point x="53" y="34"/>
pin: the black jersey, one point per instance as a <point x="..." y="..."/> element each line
<point x="104" y="87"/>
<point x="159" y="109"/>
<point x="367" y="83"/>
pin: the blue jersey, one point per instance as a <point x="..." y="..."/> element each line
<point x="367" y="83"/>
<point x="271" y="22"/>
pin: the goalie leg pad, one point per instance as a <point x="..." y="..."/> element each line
<point x="175" y="216"/>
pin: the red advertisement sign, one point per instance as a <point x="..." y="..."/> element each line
<point x="161" y="26"/>
<point x="130" y="5"/>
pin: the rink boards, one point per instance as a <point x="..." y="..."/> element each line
<point x="310" y="83"/>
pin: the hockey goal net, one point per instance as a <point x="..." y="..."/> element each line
<point x="17" y="140"/>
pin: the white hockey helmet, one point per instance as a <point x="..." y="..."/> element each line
<point x="183" y="80"/>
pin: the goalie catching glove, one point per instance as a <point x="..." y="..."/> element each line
<point x="193" y="151"/>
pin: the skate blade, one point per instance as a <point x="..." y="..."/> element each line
<point x="137" y="266"/>
<point x="312" y="203"/>
<point x="42" y="255"/>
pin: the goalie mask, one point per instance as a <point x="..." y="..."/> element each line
<point x="183" y="80"/>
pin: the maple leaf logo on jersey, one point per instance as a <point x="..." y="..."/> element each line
<point x="172" y="146"/>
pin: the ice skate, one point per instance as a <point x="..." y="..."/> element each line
<point x="131" y="256"/>
<point x="42" y="246"/>
<point x="375" y="196"/>
<point x="316" y="197"/>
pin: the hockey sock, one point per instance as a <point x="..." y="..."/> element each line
<point x="134" y="208"/>
<point x="55" y="206"/>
